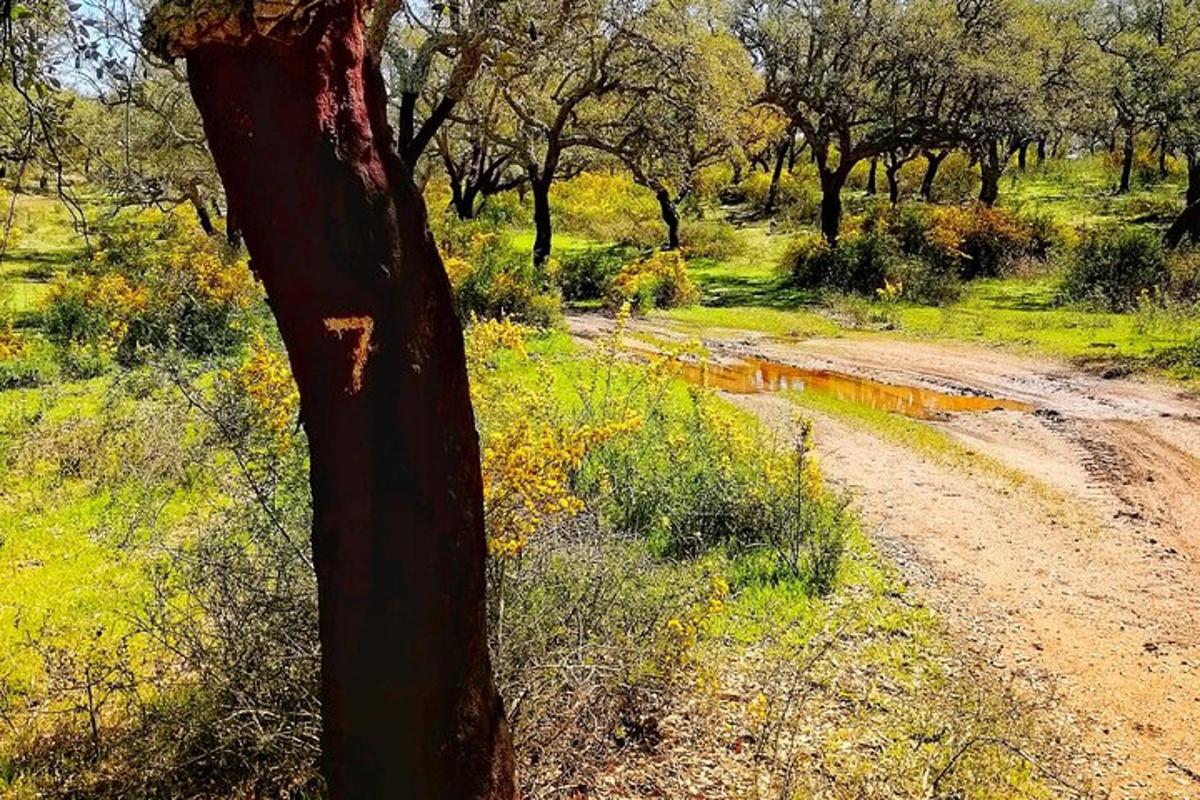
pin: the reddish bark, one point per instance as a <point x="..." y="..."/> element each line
<point x="337" y="232"/>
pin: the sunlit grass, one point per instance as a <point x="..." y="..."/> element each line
<point x="1022" y="313"/>
<point x="1082" y="192"/>
<point x="800" y="324"/>
<point x="561" y="243"/>
<point x="43" y="246"/>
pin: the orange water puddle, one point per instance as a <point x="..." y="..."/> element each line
<point x="755" y="376"/>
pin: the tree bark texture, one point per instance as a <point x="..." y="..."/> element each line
<point x="543" y="226"/>
<point x="932" y="162"/>
<point x="831" y="203"/>
<point x="670" y="217"/>
<point x="1126" y="164"/>
<point x="336" y="230"/>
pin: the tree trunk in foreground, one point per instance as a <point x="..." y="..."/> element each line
<point x="337" y="232"/>
<point x="670" y="217"/>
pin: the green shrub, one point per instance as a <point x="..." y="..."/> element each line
<point x="861" y="262"/>
<point x="1184" y="266"/>
<point x="924" y="280"/>
<point x="1047" y="236"/>
<point x="711" y="477"/>
<point x="660" y="280"/>
<point x="588" y="274"/>
<point x="491" y="279"/>
<point x="156" y="283"/>
<point x="710" y="239"/>
<point x="608" y="207"/>
<point x="1114" y="267"/>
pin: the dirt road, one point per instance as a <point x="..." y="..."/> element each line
<point x="1092" y="585"/>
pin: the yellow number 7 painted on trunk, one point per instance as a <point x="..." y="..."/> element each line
<point x="365" y="326"/>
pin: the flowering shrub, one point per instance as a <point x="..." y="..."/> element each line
<point x="678" y="467"/>
<point x="528" y="468"/>
<point x="659" y="280"/>
<point x="491" y="279"/>
<point x="984" y="241"/>
<point x="157" y="282"/>
<point x="531" y="453"/>
<point x="682" y="632"/>
<point x="264" y="379"/>
<point x="11" y="343"/>
<point x="607" y="207"/>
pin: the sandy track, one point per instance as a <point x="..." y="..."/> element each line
<point x="1096" y="590"/>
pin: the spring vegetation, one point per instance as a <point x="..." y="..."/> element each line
<point x="678" y="604"/>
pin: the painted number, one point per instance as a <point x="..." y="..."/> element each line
<point x="363" y="326"/>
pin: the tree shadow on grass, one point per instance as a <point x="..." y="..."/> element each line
<point x="1024" y="299"/>
<point x="723" y="291"/>
<point x="24" y="259"/>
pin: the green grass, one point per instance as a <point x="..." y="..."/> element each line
<point x="750" y="278"/>
<point x="75" y="518"/>
<point x="561" y="244"/>
<point x="798" y="324"/>
<point x="1022" y="313"/>
<point x="44" y="245"/>
<point x="871" y="686"/>
<point x="1082" y="193"/>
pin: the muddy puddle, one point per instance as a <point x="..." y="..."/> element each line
<point x="755" y="376"/>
